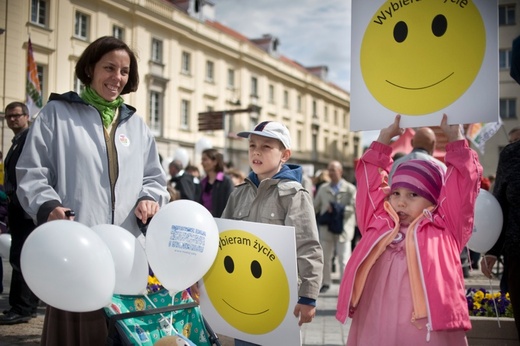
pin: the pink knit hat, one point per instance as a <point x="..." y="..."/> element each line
<point x="423" y="177"/>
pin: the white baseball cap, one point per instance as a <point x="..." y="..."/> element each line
<point x="270" y="129"/>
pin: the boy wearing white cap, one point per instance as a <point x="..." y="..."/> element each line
<point x="272" y="193"/>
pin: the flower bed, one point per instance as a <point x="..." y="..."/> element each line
<point x="484" y="303"/>
<point x="485" y="327"/>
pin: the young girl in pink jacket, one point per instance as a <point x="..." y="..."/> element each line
<point x="403" y="284"/>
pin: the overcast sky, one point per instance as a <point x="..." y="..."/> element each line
<point x="311" y="32"/>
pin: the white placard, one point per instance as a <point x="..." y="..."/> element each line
<point x="421" y="59"/>
<point x="251" y="290"/>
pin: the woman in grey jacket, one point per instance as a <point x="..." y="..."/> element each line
<point x="92" y="154"/>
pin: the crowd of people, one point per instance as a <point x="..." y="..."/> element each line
<point x="396" y="233"/>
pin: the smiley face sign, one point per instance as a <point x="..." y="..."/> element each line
<point x="421" y="57"/>
<point x="247" y="283"/>
<point x="251" y="289"/>
<point x="420" y="66"/>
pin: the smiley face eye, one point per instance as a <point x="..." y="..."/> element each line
<point x="256" y="269"/>
<point x="400" y="31"/>
<point x="439" y="25"/>
<point x="229" y="264"/>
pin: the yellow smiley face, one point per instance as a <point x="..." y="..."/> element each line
<point x="419" y="56"/>
<point x="247" y="283"/>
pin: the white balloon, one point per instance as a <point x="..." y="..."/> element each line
<point x="181" y="154"/>
<point x="68" y="266"/>
<point x="488" y="222"/>
<point x="181" y="244"/>
<point x="129" y="258"/>
<point x="5" y="245"/>
<point x="202" y="144"/>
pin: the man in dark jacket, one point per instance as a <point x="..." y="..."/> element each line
<point x="22" y="300"/>
<point x="182" y="181"/>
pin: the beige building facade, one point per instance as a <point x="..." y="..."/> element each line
<point x="189" y="63"/>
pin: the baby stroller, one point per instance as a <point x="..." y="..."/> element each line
<point x="145" y="319"/>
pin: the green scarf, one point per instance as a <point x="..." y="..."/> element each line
<point x="106" y="108"/>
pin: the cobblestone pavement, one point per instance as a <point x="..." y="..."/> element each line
<point x="324" y="330"/>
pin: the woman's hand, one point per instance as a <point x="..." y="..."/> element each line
<point x="453" y="132"/>
<point x="386" y="134"/>
<point x="146" y="209"/>
<point x="61" y="213"/>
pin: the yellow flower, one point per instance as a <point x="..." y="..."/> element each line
<point x="479" y="295"/>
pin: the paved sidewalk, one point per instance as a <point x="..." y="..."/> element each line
<point x="325" y="330"/>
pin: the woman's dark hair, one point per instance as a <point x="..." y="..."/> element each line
<point x="214" y="155"/>
<point x="95" y="51"/>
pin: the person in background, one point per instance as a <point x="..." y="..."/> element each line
<point x="403" y="284"/>
<point x="182" y="181"/>
<point x="269" y="150"/>
<point x="514" y="134"/>
<point x="236" y="175"/>
<point x="495" y="252"/>
<point x="23" y="301"/>
<point x="195" y="173"/>
<point x="215" y="186"/>
<point x="320" y="177"/>
<point x="423" y="143"/>
<point x="335" y="204"/>
<point x="92" y="154"/>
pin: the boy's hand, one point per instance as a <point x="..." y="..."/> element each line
<point x="305" y="312"/>
<point x="386" y="134"/>
<point x="453" y="132"/>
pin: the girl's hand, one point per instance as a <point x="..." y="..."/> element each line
<point x="386" y="134"/>
<point x="453" y="132"/>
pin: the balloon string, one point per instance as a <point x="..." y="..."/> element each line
<point x="130" y="333"/>
<point x="492" y="294"/>
<point x="172" y="328"/>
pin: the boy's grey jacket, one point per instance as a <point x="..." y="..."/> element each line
<point x="65" y="163"/>
<point x="283" y="201"/>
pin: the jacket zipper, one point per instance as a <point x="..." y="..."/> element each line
<point x="414" y="290"/>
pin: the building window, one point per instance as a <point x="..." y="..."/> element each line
<point x="506" y="14"/>
<point x="326" y="114"/>
<point x="157" y="50"/>
<point x="210" y="71"/>
<point x="336" y="117"/>
<point x="185" y="114"/>
<point x="39" y="12"/>
<point x="508" y="108"/>
<point x="286" y="99"/>
<point x="314" y="109"/>
<point x="118" y="32"/>
<point x="505" y="56"/>
<point x="81" y="26"/>
<point x="299" y="103"/>
<point x="271" y="93"/>
<point x="254" y="86"/>
<point x="186" y="63"/>
<point x="231" y="79"/>
<point x="155" y="112"/>
<point x="41" y="78"/>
